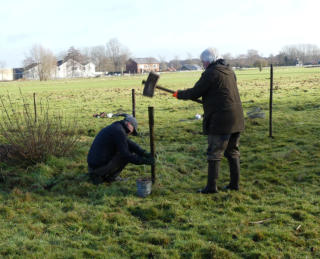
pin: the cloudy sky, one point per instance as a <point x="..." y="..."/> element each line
<point x="164" y="28"/>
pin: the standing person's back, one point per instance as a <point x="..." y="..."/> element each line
<point x="221" y="102"/>
<point x="223" y="117"/>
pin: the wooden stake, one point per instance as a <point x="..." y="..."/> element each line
<point x="133" y="103"/>
<point x="270" y="102"/>
<point x="35" y="107"/>
<point x="152" y="147"/>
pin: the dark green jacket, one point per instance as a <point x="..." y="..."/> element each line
<point x="222" y="106"/>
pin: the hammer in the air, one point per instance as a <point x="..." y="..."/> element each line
<point x="151" y="84"/>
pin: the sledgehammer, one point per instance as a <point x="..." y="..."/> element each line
<point x="151" y="84"/>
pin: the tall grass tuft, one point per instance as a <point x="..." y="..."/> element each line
<point x="31" y="132"/>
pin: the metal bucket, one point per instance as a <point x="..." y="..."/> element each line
<point x="143" y="187"/>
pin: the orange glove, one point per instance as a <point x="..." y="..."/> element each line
<point x="175" y="94"/>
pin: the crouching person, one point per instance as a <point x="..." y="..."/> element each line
<point x="112" y="150"/>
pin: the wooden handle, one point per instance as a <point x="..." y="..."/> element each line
<point x="165" y="89"/>
<point x="171" y="91"/>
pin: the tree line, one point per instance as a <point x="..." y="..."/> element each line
<point x="113" y="55"/>
<point x="306" y="54"/>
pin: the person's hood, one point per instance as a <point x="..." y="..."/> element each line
<point x="221" y="66"/>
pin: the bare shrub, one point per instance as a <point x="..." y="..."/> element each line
<point x="33" y="132"/>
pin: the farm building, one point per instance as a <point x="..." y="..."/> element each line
<point x="9" y="74"/>
<point x="18" y="73"/>
<point x="6" y="74"/>
<point x="142" y="65"/>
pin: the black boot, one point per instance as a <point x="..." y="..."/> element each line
<point x="213" y="172"/>
<point x="234" y="165"/>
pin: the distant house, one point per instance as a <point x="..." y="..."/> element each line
<point x="71" y="68"/>
<point x="31" y="72"/>
<point x="64" y="69"/>
<point x="190" y="67"/>
<point x="142" y="65"/>
<point x="89" y="70"/>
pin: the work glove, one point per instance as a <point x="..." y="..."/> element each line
<point x="175" y="94"/>
<point x="147" y="154"/>
<point x="148" y="160"/>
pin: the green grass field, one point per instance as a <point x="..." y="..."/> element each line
<point x="276" y="214"/>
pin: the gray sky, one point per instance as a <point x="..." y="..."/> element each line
<point x="165" y="28"/>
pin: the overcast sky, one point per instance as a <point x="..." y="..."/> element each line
<point x="156" y="28"/>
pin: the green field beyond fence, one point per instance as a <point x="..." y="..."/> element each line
<point x="276" y="213"/>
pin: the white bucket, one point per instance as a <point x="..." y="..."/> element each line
<point x="143" y="187"/>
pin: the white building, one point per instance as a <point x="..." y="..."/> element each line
<point x="6" y="74"/>
<point x="64" y="69"/>
<point x="72" y="68"/>
<point x="31" y="72"/>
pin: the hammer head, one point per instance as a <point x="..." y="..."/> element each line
<point x="150" y="84"/>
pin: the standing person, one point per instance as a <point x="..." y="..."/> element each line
<point x="111" y="151"/>
<point x="223" y="117"/>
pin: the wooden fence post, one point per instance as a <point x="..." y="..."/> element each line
<point x="152" y="146"/>
<point x="35" y="107"/>
<point x="133" y="103"/>
<point x="270" y="101"/>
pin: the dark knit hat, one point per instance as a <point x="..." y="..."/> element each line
<point x="133" y="122"/>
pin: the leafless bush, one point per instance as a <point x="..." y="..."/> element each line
<point x="33" y="132"/>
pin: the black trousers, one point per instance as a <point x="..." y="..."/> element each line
<point x="108" y="172"/>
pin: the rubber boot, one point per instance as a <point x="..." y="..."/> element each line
<point x="234" y="165"/>
<point x="213" y="173"/>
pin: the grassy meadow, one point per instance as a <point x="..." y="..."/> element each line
<point x="276" y="213"/>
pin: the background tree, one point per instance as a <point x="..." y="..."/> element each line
<point x="253" y="58"/>
<point x="99" y="58"/>
<point x="189" y="58"/>
<point x="306" y="53"/>
<point x="85" y="55"/>
<point x="73" y="54"/>
<point x="175" y="63"/>
<point x="227" y="57"/>
<point x="118" y="55"/>
<point x="163" y="63"/>
<point x="45" y="60"/>
<point x="74" y="58"/>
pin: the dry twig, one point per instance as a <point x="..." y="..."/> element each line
<point x="260" y="221"/>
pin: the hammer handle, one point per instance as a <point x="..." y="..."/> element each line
<point x="171" y="91"/>
<point x="165" y="89"/>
